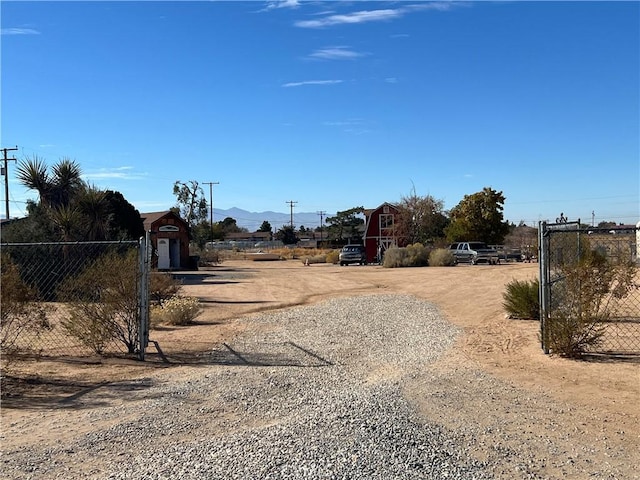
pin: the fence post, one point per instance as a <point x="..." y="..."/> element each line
<point x="143" y="299"/>
<point x="544" y="293"/>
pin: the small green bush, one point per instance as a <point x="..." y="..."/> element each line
<point x="416" y="255"/>
<point x="442" y="257"/>
<point x="177" y="310"/>
<point x="522" y="300"/>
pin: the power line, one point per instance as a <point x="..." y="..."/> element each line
<point x="291" y="203"/>
<point x="211" y="184"/>
<point x="5" y="172"/>
<point x="322" y="213"/>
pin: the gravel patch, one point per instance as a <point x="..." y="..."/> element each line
<point x="315" y="392"/>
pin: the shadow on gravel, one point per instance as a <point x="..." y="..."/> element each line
<point x="33" y="393"/>
<point x="286" y="354"/>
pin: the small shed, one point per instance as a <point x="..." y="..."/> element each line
<point x="170" y="240"/>
<point x="379" y="230"/>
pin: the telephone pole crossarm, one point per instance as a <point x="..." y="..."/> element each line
<point x="291" y="204"/>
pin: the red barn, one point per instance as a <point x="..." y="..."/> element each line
<point x="379" y="229"/>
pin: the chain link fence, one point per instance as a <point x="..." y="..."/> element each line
<point x="589" y="289"/>
<point x="74" y="299"/>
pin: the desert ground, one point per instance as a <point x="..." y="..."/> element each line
<point x="599" y="395"/>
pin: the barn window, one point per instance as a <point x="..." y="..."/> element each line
<point x="386" y="221"/>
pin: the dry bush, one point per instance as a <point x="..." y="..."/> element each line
<point x="20" y="313"/>
<point x="582" y="301"/>
<point x="177" y="310"/>
<point x="416" y="255"/>
<point x="309" y="260"/>
<point x="441" y="257"/>
<point x="162" y="285"/>
<point x="102" y="302"/>
<point x="332" y="256"/>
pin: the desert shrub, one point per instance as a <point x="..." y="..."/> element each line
<point x="581" y="303"/>
<point x="20" y="313"/>
<point x="309" y="260"/>
<point x="210" y="257"/>
<point x="102" y="302"/>
<point x="162" y="285"/>
<point x="177" y="310"/>
<point x="416" y="255"/>
<point x="332" y="256"/>
<point x="522" y="299"/>
<point x="441" y="257"/>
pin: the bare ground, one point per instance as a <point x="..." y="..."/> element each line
<point x="600" y="395"/>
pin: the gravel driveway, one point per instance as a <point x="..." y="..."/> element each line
<point x="316" y="392"/>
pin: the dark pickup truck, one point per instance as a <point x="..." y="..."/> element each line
<point x="474" y="252"/>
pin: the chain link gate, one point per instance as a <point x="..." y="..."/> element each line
<point x="590" y="287"/>
<point x="79" y="299"/>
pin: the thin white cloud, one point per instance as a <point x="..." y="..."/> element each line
<point x="391" y="80"/>
<point x="400" y="35"/>
<point x="275" y="4"/>
<point x="311" y="82"/>
<point x="336" y="53"/>
<point x="120" y="173"/>
<point x="351" y="18"/>
<point x="364" y="16"/>
<point x="19" y="31"/>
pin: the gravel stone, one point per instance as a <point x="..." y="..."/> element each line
<point x="314" y="392"/>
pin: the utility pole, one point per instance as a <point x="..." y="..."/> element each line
<point x="322" y="213"/>
<point x="5" y="172"/>
<point x="291" y="203"/>
<point x="211" y="184"/>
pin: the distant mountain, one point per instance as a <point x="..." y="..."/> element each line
<point x="252" y="220"/>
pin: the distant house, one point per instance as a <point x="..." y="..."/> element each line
<point x="248" y="237"/>
<point x="170" y="240"/>
<point x="379" y="229"/>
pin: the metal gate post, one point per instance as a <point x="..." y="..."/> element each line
<point x="144" y="258"/>
<point x="544" y="293"/>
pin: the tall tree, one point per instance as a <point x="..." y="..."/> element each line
<point x="191" y="204"/>
<point x="266" y="227"/>
<point x="287" y="235"/>
<point x="420" y="219"/>
<point x="479" y="217"/>
<point x="346" y="224"/>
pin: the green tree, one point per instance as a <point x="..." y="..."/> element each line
<point x="287" y="235"/>
<point x="191" y="204"/>
<point x="420" y="219"/>
<point x="478" y="217"/>
<point x="266" y="227"/>
<point x="229" y="225"/>
<point x="346" y="224"/>
<point x="70" y="209"/>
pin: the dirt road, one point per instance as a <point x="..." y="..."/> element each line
<point x="601" y="396"/>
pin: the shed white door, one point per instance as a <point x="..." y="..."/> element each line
<point x="164" y="260"/>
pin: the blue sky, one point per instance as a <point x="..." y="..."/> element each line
<point x="332" y="104"/>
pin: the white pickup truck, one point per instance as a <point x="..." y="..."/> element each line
<point x="474" y="252"/>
